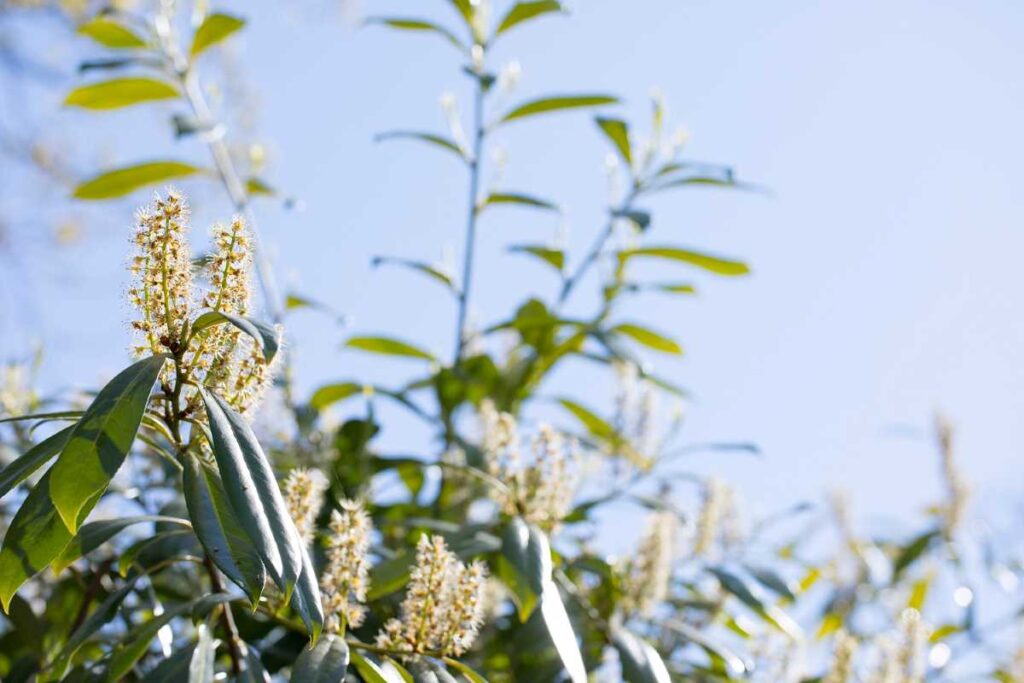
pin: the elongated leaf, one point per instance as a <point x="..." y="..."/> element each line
<point x="589" y="419"/>
<point x="388" y="346"/>
<point x="201" y="666"/>
<point x="253" y="493"/>
<point x="429" y="138"/>
<point x="556" y="621"/>
<point x="521" y="199"/>
<point x="525" y="564"/>
<point x="649" y="338"/>
<point x="95" y="534"/>
<point x="266" y="336"/>
<point x="375" y="670"/>
<point x="35" y="538"/>
<point x="557" y="103"/>
<point x="526" y="10"/>
<point x="214" y="29"/>
<point x="121" y="181"/>
<point x="770" y="613"/>
<point x="714" y="264"/>
<point x="306" y="598"/>
<point x="730" y="662"/>
<point x="110" y="33"/>
<point x="22" y="468"/>
<point x="100" y="616"/>
<point x="471" y="675"/>
<point x="425" y="268"/>
<point x="617" y="131"/>
<point x="174" y="669"/>
<point x="100" y="441"/>
<point x="326" y="662"/>
<point x="418" y="25"/>
<point x="641" y="663"/>
<point x="332" y="393"/>
<point x="912" y="551"/>
<point x="220" y="532"/>
<point x="121" y="92"/>
<point x="429" y="670"/>
<point x="553" y="257"/>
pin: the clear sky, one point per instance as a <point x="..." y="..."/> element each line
<point x="886" y="275"/>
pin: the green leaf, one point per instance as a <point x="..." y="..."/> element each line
<point x="429" y="670"/>
<point x="306" y="598"/>
<point x="559" y="628"/>
<point x="201" y="667"/>
<point x="22" y="468"/>
<point x="214" y="29"/>
<point x="640" y="662"/>
<point x="388" y="347"/>
<point x="418" y="25"/>
<point x="376" y="670"/>
<point x="553" y="257"/>
<point x="617" y="131"/>
<point x="121" y="92"/>
<point x="770" y="613"/>
<point x="266" y="336"/>
<point x="714" y="264"/>
<point x="424" y="268"/>
<point x="100" y="441"/>
<point x="649" y="338"/>
<point x="174" y="669"/>
<point x="471" y="675"/>
<point x="101" y="616"/>
<point x="641" y="219"/>
<point x="36" y="536"/>
<point x="332" y="393"/>
<point x="110" y="33"/>
<point x="122" y="181"/>
<point x="95" y="534"/>
<point x="389" y="576"/>
<point x="220" y="532"/>
<point x="557" y="103"/>
<point x="909" y="553"/>
<point x="594" y="424"/>
<point x="429" y="138"/>
<point x="256" y="186"/>
<point x="525" y="10"/>
<point x="524" y="564"/>
<point x="325" y="663"/>
<point x="729" y="661"/>
<point x="253" y="493"/>
<point x="518" y="198"/>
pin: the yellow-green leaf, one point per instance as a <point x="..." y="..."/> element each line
<point x="617" y="132"/>
<point x="388" y="347"/>
<point x="121" y="181"/>
<point x="553" y="257"/>
<point x="709" y="262"/>
<point x="528" y="9"/>
<point x="110" y="33"/>
<point x="649" y="338"/>
<point x="556" y="103"/>
<point x="213" y="30"/>
<point x="121" y="92"/>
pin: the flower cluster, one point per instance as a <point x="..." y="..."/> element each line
<point x="635" y="415"/>
<point x="717" y="518"/>
<point x="647" y="574"/>
<point x="217" y="356"/>
<point x="345" y="579"/>
<point x="957" y="490"/>
<point x="443" y="606"/>
<point x="841" y="669"/>
<point x="542" y="491"/>
<point x="304" y="496"/>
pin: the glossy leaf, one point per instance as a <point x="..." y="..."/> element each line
<point x="467" y="672"/>
<point x="102" y="615"/>
<point x="640" y="662"/>
<point x="388" y="347"/>
<point x="111" y="33"/>
<point x="121" y="92"/>
<point x="95" y="534"/>
<point x="306" y="598"/>
<point x="201" y="667"/>
<point x="525" y="564"/>
<point x="559" y="628"/>
<point x="526" y="10"/>
<point x="326" y="662"/>
<point x="253" y="493"/>
<point x="521" y="199"/>
<point x="709" y="262"/>
<point x="418" y="25"/>
<point x="219" y="530"/>
<point x="100" y="441"/>
<point x="215" y="28"/>
<point x="553" y="257"/>
<point x="376" y="670"/>
<point x="649" y="338"/>
<point x="121" y="181"/>
<point x="429" y="670"/>
<point x="617" y="131"/>
<point x="266" y="336"/>
<point x="557" y="103"/>
<point x="23" y="467"/>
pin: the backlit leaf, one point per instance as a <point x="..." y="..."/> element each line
<point x="388" y="347"/>
<point x="215" y="28"/>
<point x="553" y="257"/>
<point x="121" y="181"/>
<point x="418" y="25"/>
<point x="649" y="338"/>
<point x="557" y="103"/>
<point x="525" y="10"/>
<point x="617" y="131"/>
<point x="709" y="262"/>
<point x="111" y="33"/>
<point x="23" y="467"/>
<point x="121" y="92"/>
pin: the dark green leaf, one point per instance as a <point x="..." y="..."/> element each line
<point x="388" y="346"/>
<point x="266" y="336"/>
<point x="121" y="181"/>
<point x="214" y="29"/>
<point x="306" y="598"/>
<point x="557" y="103"/>
<point x="553" y="257"/>
<point x="325" y="663"/>
<point x="525" y="10"/>
<point x="909" y="553"/>
<point x="121" y="92"/>
<point x="429" y="670"/>
<point x="101" y="616"/>
<point x="95" y="534"/>
<point x="100" y="441"/>
<point x="525" y="564"/>
<point x="714" y="264"/>
<point x="419" y="25"/>
<point x="641" y="663"/>
<point x="22" y="468"/>
<point x="617" y="131"/>
<point x="110" y="33"/>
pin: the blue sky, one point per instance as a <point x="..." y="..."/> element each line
<point x="885" y="261"/>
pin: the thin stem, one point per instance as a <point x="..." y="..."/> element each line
<point x="227" y="620"/>
<point x="479" y="132"/>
